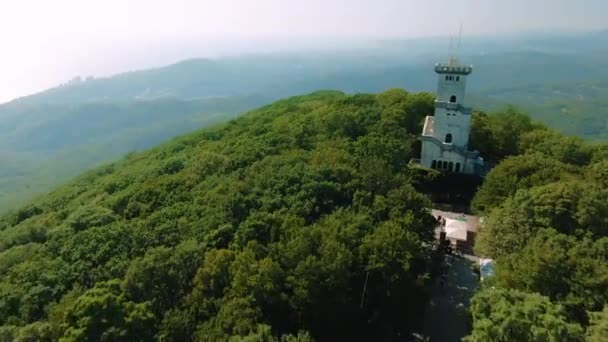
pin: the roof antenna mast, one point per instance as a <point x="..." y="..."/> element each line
<point x="459" y="40"/>
<point x="451" y="50"/>
<point x="455" y="50"/>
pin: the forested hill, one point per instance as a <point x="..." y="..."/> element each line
<point x="266" y="226"/>
<point x="301" y="221"/>
<point x="43" y="145"/>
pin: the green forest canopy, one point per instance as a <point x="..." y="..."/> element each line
<point x="272" y="224"/>
<point x="43" y="145"/>
<point x="268" y="224"/>
<point x="546" y="226"/>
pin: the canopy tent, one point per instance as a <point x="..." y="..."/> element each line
<point x="456" y="229"/>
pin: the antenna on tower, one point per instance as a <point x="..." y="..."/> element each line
<point x="451" y="51"/>
<point x="459" y="39"/>
<point x="455" y="50"/>
<point x="460" y="36"/>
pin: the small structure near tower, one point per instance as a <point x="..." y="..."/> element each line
<point x="445" y="136"/>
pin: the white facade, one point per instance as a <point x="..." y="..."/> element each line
<point x="445" y="136"/>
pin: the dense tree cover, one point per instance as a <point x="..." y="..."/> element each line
<point x="546" y="226"/>
<point x="570" y="271"/>
<point x="512" y="315"/>
<point x="570" y="207"/>
<point x="598" y="328"/>
<point x="527" y="154"/>
<point x="569" y="150"/>
<point x="42" y="145"/>
<point x="297" y="221"/>
<point x="497" y="136"/>
<point x="519" y="172"/>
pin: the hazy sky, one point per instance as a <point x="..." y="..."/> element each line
<point x="47" y="42"/>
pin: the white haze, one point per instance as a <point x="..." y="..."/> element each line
<point x="45" y="43"/>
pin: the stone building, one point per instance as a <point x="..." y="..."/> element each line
<point x="445" y="136"/>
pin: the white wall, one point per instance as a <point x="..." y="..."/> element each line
<point x="445" y="89"/>
<point x="458" y="125"/>
<point x="430" y="152"/>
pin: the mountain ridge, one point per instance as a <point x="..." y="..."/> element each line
<point x="521" y="72"/>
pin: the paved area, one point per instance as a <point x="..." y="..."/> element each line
<point x="447" y="318"/>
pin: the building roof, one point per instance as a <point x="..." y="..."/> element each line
<point x="429" y="126"/>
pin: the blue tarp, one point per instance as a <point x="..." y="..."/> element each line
<point x="486" y="268"/>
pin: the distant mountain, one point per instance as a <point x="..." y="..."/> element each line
<point x="273" y="75"/>
<point x="49" y="136"/>
<point x="500" y="62"/>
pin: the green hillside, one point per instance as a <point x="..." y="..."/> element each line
<point x="271" y="224"/>
<point x="301" y="221"/>
<point x="42" y="146"/>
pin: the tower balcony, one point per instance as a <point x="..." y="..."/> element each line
<point x="462" y="150"/>
<point x="453" y="69"/>
<point x="453" y="106"/>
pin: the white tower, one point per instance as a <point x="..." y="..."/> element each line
<point x="445" y="136"/>
<point x="452" y="118"/>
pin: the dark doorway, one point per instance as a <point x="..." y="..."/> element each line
<point x="448" y="138"/>
<point x="453" y="99"/>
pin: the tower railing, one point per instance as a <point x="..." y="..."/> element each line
<point x="453" y="69"/>
<point x="452" y="106"/>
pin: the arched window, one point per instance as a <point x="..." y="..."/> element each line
<point x="448" y="138"/>
<point x="445" y="165"/>
<point x="453" y="99"/>
<point x="457" y="168"/>
<point x="457" y="78"/>
<point x="447" y="77"/>
<point x="434" y="164"/>
<point x="451" y="166"/>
